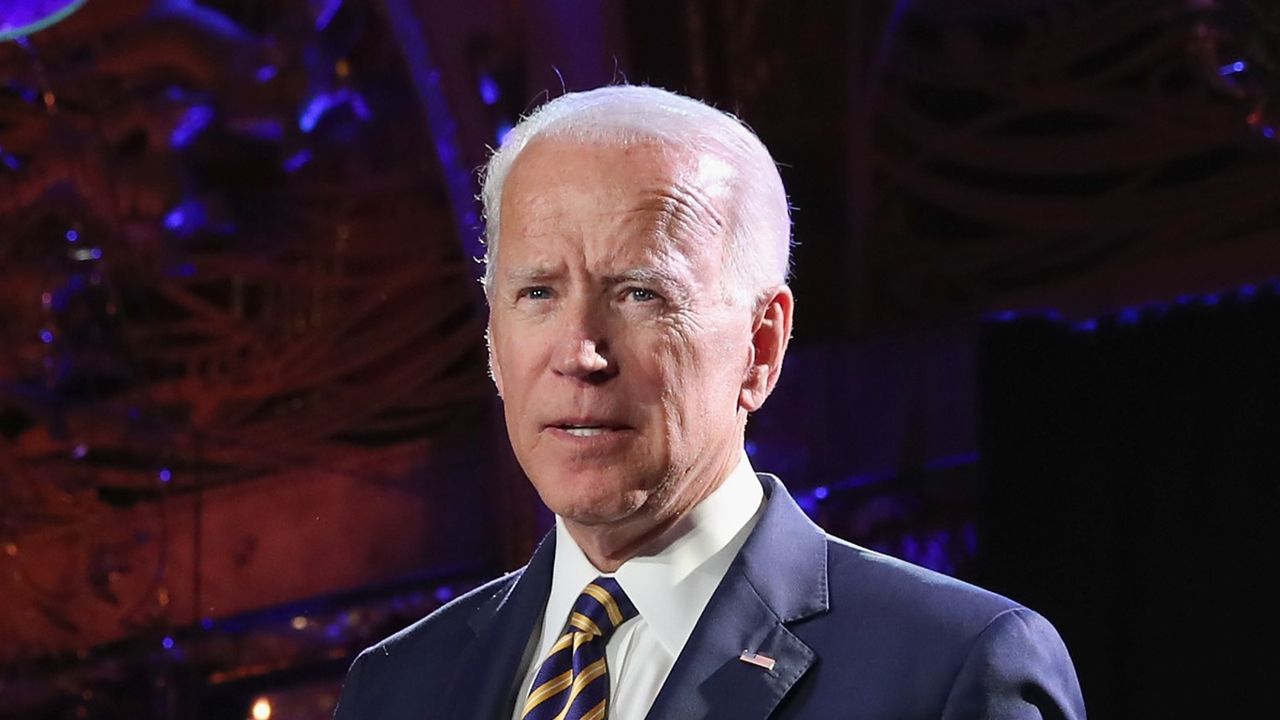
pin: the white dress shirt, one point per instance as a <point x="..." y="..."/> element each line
<point x="670" y="589"/>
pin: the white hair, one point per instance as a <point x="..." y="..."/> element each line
<point x="759" y="220"/>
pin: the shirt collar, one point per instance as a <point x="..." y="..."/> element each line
<point x="671" y="587"/>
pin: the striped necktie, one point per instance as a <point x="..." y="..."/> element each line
<point x="573" y="682"/>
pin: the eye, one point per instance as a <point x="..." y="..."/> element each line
<point x="639" y="294"/>
<point x="537" y="292"/>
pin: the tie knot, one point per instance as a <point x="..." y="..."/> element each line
<point x="601" y="608"/>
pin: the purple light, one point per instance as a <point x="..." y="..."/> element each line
<point x="444" y="594"/>
<point x="183" y="270"/>
<point x="361" y="109"/>
<point x="185" y="218"/>
<point x="72" y="236"/>
<point x="1233" y="68"/>
<point x="165" y="475"/>
<point x="808" y="504"/>
<point x="324" y="15"/>
<point x="504" y="129"/>
<point x="175" y="218"/>
<point x="80" y="451"/>
<point x="95" y="254"/>
<point x="193" y="121"/>
<point x="10" y="161"/>
<point x="260" y="128"/>
<point x="167" y="642"/>
<point x="296" y="161"/>
<point x="46" y="337"/>
<point x="316" y="108"/>
<point x="266" y="73"/>
<point x="952" y="461"/>
<point x="489" y="90"/>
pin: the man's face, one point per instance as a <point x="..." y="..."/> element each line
<point x="619" y="359"/>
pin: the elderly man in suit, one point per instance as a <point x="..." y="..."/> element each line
<point x="636" y="274"/>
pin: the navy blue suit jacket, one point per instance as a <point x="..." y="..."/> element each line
<point x="855" y="634"/>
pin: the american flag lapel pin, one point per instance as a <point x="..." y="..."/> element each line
<point x="757" y="659"/>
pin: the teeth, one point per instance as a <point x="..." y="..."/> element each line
<point x="585" y="431"/>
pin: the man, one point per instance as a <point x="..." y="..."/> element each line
<point x="636" y="275"/>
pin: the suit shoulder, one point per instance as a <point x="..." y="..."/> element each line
<point x="449" y="620"/>
<point x="883" y="580"/>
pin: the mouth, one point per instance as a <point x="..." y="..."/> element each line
<point x="586" y="428"/>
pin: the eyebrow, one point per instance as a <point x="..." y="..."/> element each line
<point x="643" y="276"/>
<point x="531" y="274"/>
<point x="639" y="275"/>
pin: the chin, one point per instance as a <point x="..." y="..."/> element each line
<point x="591" y="501"/>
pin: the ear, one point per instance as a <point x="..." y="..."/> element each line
<point x="770" y="333"/>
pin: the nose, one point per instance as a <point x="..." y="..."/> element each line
<point x="583" y="351"/>
<point x="582" y="358"/>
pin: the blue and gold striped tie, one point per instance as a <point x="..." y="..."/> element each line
<point x="573" y="682"/>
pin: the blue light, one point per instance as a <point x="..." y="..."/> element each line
<point x="1086" y="325"/>
<point x="326" y="13"/>
<point x="72" y="236"/>
<point x="1233" y="68"/>
<point x="269" y="129"/>
<point x="296" y="161"/>
<point x="176" y="218"/>
<point x="165" y="475"/>
<point x="952" y="461"/>
<point x="807" y="504"/>
<point x="1248" y="291"/>
<point x="504" y="129"/>
<point x="167" y="643"/>
<point x="821" y="492"/>
<point x="266" y="73"/>
<point x="751" y="448"/>
<point x="489" y="90"/>
<point x="315" y="109"/>
<point x="206" y="623"/>
<point x="185" y="218"/>
<point x="1005" y="316"/>
<point x="10" y="161"/>
<point x="193" y="121"/>
<point x="1129" y="316"/>
<point x="1269" y="132"/>
<point x="1211" y="299"/>
<point x="46" y="337"/>
<point x="361" y="109"/>
<point x="183" y="270"/>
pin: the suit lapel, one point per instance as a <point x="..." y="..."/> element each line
<point x="485" y="674"/>
<point x="779" y="577"/>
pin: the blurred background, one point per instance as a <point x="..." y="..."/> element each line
<point x="245" y="422"/>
